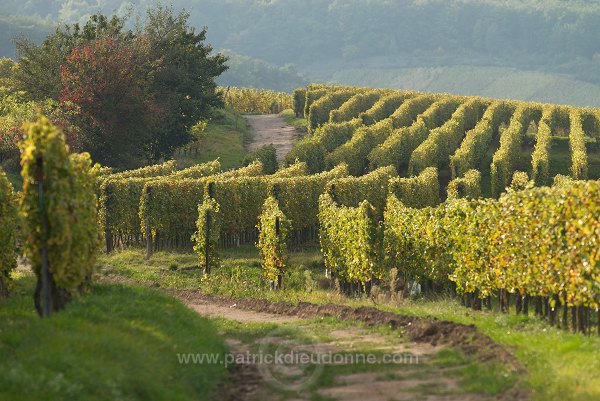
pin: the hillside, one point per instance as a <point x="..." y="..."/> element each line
<point x="493" y="82"/>
<point x="371" y="128"/>
<point x="324" y="39"/>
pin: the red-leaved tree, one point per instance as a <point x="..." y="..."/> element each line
<point x="102" y="82"/>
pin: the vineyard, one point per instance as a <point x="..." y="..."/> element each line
<point x="450" y="192"/>
<point x="177" y="222"/>
<point x="491" y="202"/>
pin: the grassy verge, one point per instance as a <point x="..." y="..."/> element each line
<point x="224" y="138"/>
<point x="290" y="117"/>
<point x="116" y="343"/>
<point x="560" y="365"/>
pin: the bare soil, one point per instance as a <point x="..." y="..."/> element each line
<point x="420" y="330"/>
<point x="424" y="337"/>
<point x="271" y="129"/>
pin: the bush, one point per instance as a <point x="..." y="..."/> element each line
<point x="299" y="99"/>
<point x="267" y="155"/>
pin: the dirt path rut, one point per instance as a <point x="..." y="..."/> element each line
<point x="271" y="129"/>
<point x="425" y="380"/>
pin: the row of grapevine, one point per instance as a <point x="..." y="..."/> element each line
<point x="319" y="111"/>
<point x="420" y="191"/>
<point x="207" y="235"/>
<point x="273" y="233"/>
<point x="167" y="207"/>
<point x="358" y="104"/>
<point x="372" y="187"/>
<point x="250" y="100"/>
<point x="540" y="157"/>
<point x="445" y="140"/>
<point x="8" y="229"/>
<point x="415" y="241"/>
<point x="316" y="91"/>
<point x="156" y="170"/>
<point x="327" y="137"/>
<point x="198" y="170"/>
<point x="385" y="107"/>
<point x="297" y="169"/>
<point x="119" y="200"/>
<point x="59" y="216"/>
<point x="355" y="152"/>
<point x="478" y="140"/>
<point x="350" y="238"/>
<point x="467" y="186"/>
<point x="579" y="161"/>
<point x="400" y="144"/>
<point x="241" y="200"/>
<point x="497" y="142"/>
<point x="310" y="152"/>
<point x="332" y="135"/>
<point x="539" y="242"/>
<point x="504" y="160"/>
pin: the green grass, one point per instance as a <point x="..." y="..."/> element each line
<point x="240" y="274"/>
<point x="225" y="137"/>
<point x="290" y="117"/>
<point x="115" y="343"/>
<point x="560" y="365"/>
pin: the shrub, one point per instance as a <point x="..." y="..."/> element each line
<point x="267" y="155"/>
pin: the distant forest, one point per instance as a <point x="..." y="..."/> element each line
<point x="322" y="37"/>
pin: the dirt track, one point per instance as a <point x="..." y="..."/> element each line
<point x="271" y="129"/>
<point x="423" y="337"/>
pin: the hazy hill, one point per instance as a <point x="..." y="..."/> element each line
<point x="387" y="43"/>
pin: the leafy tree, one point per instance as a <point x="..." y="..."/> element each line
<point x="101" y="81"/>
<point x="182" y="76"/>
<point x="132" y="95"/>
<point x="39" y="72"/>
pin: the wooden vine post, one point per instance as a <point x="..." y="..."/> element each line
<point x="107" y="232"/>
<point x="276" y="192"/>
<point x="279" y="284"/>
<point x="207" y="242"/>
<point x="46" y="301"/>
<point x="148" y="229"/>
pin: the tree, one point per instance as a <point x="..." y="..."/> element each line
<point x="38" y="72"/>
<point x="103" y="83"/>
<point x="133" y="96"/>
<point x="182" y="76"/>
